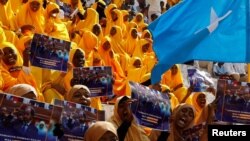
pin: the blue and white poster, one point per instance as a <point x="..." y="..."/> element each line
<point x="199" y="80"/>
<point x="24" y="119"/>
<point x="97" y="79"/>
<point x="76" y="119"/>
<point x="233" y="101"/>
<point x="151" y="108"/>
<point x="50" y="53"/>
<point x="194" y="133"/>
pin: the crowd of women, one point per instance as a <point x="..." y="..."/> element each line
<point x="101" y="34"/>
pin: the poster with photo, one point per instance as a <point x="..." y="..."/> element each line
<point x="77" y="118"/>
<point x="233" y="101"/>
<point x="199" y="80"/>
<point x="194" y="133"/>
<point x="152" y="108"/>
<point x="49" y="53"/>
<point x="27" y="120"/>
<point x="97" y="79"/>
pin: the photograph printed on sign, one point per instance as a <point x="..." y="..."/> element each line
<point x="26" y="119"/>
<point x="233" y="101"/>
<point x="76" y="119"/>
<point x="151" y="108"/>
<point x="97" y="79"/>
<point x="49" y="53"/>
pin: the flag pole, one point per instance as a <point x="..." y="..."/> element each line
<point x="247" y="38"/>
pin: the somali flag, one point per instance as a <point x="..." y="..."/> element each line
<point x="209" y="30"/>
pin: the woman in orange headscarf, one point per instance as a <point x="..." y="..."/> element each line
<point x="173" y="78"/>
<point x="142" y="51"/>
<point x="14" y="70"/>
<point x="121" y="86"/>
<point x="54" y="26"/>
<point x="88" y="42"/>
<point x="116" y="20"/>
<point x="131" y="41"/>
<point x="139" y="20"/>
<point x="91" y="17"/>
<point x="32" y="13"/>
<point x="97" y="30"/>
<point x="129" y="26"/>
<point x="137" y="72"/>
<point x="118" y="46"/>
<point x="7" y="15"/>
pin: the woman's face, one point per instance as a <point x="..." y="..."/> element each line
<point x="54" y="12"/>
<point x="174" y="70"/>
<point x="78" y="59"/>
<point x="124" y="111"/>
<point x="34" y="6"/>
<point x="147" y="35"/>
<point x="125" y="18"/>
<point x="138" y="18"/>
<point x="184" y="117"/>
<point x="112" y="31"/>
<point x="114" y="16"/>
<point x="106" y="46"/>
<point x="134" y="33"/>
<point x="9" y="57"/>
<point x="81" y="96"/>
<point x="96" y="30"/>
<point x="201" y="100"/>
<point x="145" y="48"/>
<point x="108" y="136"/>
<point x="3" y="2"/>
<point x="137" y="63"/>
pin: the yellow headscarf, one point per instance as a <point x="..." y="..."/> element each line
<point x="135" y="132"/>
<point x="2" y="35"/>
<point x="128" y="28"/>
<point x="177" y="133"/>
<point x="98" y="129"/>
<point x="121" y="85"/>
<point x="130" y="43"/>
<point x="138" y="50"/>
<point x="7" y="15"/>
<point x="21" y="43"/>
<point x="117" y="41"/>
<point x="137" y="74"/>
<point x="16" y="4"/>
<point x="27" y="16"/>
<point x="88" y="42"/>
<point x="201" y="113"/>
<point x="108" y="9"/>
<point x="91" y="19"/>
<point x="54" y="26"/>
<point x="173" y="80"/>
<point x="146" y="32"/>
<point x="140" y="23"/>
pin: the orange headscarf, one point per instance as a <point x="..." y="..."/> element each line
<point x="7" y="15"/>
<point x="92" y="18"/>
<point x="54" y="26"/>
<point x="121" y="86"/>
<point x="27" y="16"/>
<point x="130" y="43"/>
<point x="88" y="42"/>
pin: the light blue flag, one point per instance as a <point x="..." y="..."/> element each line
<point x="211" y="30"/>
